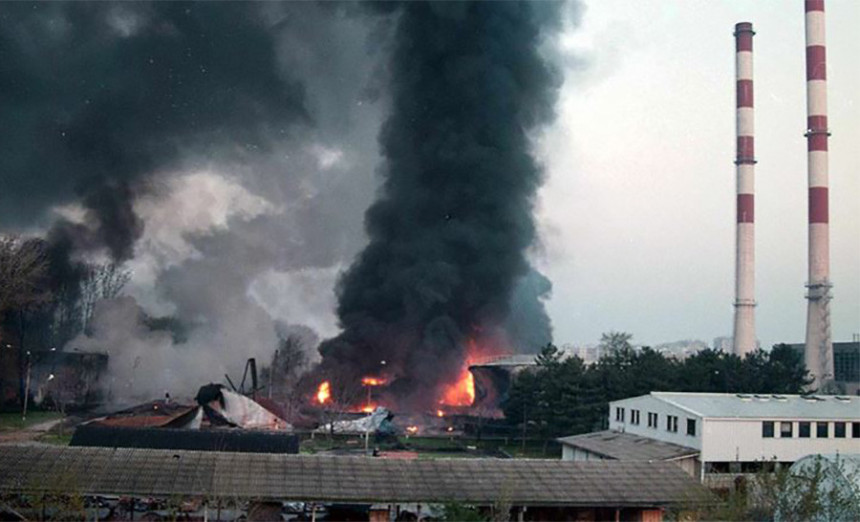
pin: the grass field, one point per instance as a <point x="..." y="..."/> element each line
<point x="13" y="421"/>
<point x="438" y="447"/>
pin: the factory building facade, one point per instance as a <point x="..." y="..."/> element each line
<point x="736" y="433"/>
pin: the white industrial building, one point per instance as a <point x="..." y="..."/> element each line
<point x="733" y="433"/>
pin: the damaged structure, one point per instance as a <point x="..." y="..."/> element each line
<point x="221" y="419"/>
<point x="493" y="378"/>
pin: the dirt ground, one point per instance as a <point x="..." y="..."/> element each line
<point x="29" y="433"/>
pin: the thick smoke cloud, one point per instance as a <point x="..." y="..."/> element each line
<point x="239" y="159"/>
<point x="97" y="98"/>
<point x="450" y="230"/>
<point x="226" y="151"/>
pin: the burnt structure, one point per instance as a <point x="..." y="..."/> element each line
<point x="493" y="379"/>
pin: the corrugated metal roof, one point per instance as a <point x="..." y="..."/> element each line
<point x="626" y="446"/>
<point x="750" y="406"/>
<point x="145" y="472"/>
<point x="506" y="361"/>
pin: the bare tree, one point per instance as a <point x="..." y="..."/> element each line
<point x="104" y="281"/>
<point x="23" y="271"/>
<point x="23" y="268"/>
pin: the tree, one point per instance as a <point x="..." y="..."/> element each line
<point x="615" y="342"/>
<point x="786" y="370"/>
<point x="282" y="375"/>
<point x="102" y="281"/>
<point x="23" y="268"/>
<point x="561" y="396"/>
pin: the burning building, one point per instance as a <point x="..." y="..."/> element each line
<point x="433" y="290"/>
<point x="493" y="379"/>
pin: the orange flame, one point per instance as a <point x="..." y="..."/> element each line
<point x="368" y="408"/>
<point x="412" y="430"/>
<point x="373" y="381"/>
<point x="460" y="393"/>
<point x="440" y="413"/>
<point x="324" y="392"/>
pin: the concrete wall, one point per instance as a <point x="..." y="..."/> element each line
<point x="741" y="440"/>
<point x="571" y="453"/>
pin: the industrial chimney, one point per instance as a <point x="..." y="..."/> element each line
<point x="819" y="346"/>
<point x="744" y="339"/>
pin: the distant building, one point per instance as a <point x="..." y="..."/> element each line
<point x="846" y="365"/>
<point x="723" y="344"/>
<point x="589" y="353"/>
<point x="681" y="349"/>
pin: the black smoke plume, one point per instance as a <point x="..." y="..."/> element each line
<point x="97" y="99"/>
<point x="454" y="219"/>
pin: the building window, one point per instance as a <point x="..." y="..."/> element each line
<point x="672" y="423"/>
<point x="634" y="417"/>
<point x="803" y="430"/>
<point x="652" y="420"/>
<point x="855" y="430"/>
<point x="767" y="429"/>
<point x="821" y="430"/>
<point x="691" y="427"/>
<point x="619" y="414"/>
<point x="839" y="430"/>
<point x="785" y="429"/>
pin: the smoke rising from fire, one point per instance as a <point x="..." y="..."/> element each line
<point x="224" y="151"/>
<point x="116" y="93"/>
<point x="451" y="227"/>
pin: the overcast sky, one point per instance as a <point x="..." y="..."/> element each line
<point x="638" y="211"/>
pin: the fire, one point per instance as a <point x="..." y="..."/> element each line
<point x="460" y="393"/>
<point x="368" y="408"/>
<point x="324" y="392"/>
<point x="412" y="430"/>
<point x="440" y="413"/>
<point x="373" y="381"/>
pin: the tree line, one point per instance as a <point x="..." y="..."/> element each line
<point x="564" y="396"/>
<point x="46" y="300"/>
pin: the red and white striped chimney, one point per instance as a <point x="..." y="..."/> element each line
<point x="819" y="346"/>
<point x="744" y="339"/>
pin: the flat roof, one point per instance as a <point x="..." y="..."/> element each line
<point x="626" y="446"/>
<point x="523" y="359"/>
<point x="148" y="472"/>
<point x="763" y="406"/>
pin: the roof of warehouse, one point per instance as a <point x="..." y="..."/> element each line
<point x="626" y="446"/>
<point x="146" y="472"/>
<point x="762" y="406"/>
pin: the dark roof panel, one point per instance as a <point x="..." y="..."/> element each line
<point x="150" y="472"/>
<point x="626" y="446"/>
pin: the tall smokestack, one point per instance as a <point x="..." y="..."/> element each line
<point x="744" y="330"/>
<point x="819" y="346"/>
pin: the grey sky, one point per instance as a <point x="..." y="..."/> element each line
<point x="638" y="210"/>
